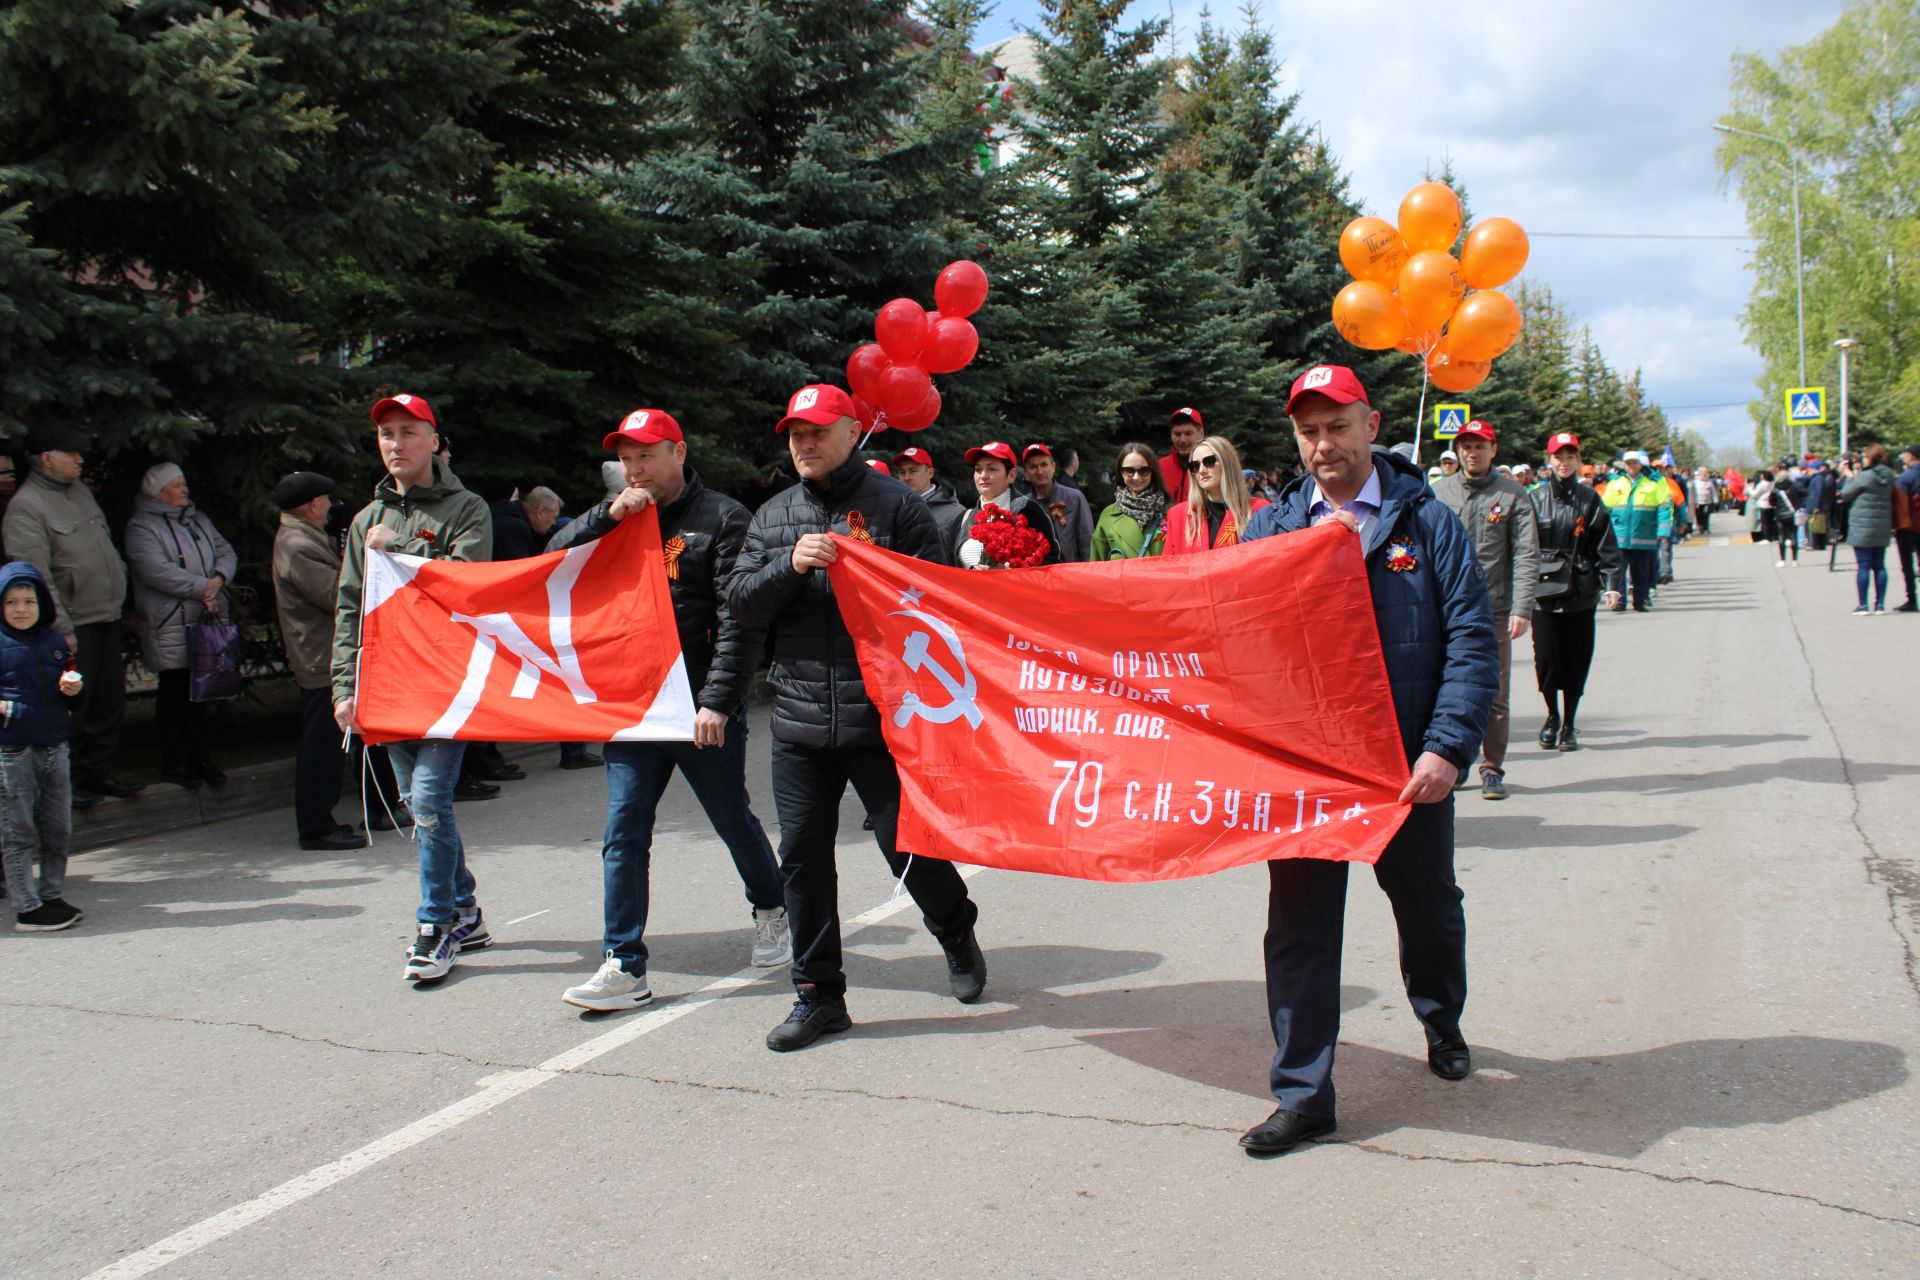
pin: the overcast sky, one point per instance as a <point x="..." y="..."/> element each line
<point x="1565" y="118"/>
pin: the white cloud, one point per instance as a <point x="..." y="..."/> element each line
<point x="1569" y="118"/>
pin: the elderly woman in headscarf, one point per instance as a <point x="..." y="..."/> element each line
<point x="180" y="566"/>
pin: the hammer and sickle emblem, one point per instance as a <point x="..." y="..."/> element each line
<point x="962" y="690"/>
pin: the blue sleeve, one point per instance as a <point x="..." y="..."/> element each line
<point x="1264" y="523"/>
<point x="1470" y="667"/>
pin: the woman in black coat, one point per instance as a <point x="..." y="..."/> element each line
<point x="1578" y="558"/>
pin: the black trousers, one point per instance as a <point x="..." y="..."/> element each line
<point x="1563" y="649"/>
<point x="807" y="787"/>
<point x="1642" y="567"/>
<point x="94" y="714"/>
<point x="319" y="765"/>
<point x="1306" y="919"/>
<point x="179" y="721"/>
<point x="1908" y="543"/>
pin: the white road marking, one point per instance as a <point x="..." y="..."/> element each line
<point x="524" y="918"/>
<point x="500" y="1088"/>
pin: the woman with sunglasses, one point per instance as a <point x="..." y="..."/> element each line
<point x="1134" y="525"/>
<point x="1218" y="504"/>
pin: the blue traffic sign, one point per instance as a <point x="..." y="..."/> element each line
<point x="1806" y="406"/>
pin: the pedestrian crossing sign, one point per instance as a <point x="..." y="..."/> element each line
<point x="1449" y="418"/>
<point x="1806" y="406"/>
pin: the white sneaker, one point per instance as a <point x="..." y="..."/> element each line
<point x="431" y="956"/>
<point x="772" y="939"/>
<point x="1779" y="564"/>
<point x="611" y="988"/>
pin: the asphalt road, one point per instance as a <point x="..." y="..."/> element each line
<point x="1694" y="1014"/>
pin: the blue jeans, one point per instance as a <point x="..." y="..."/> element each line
<point x="36" y="815"/>
<point x="637" y="776"/>
<point x="427" y="772"/>
<point x="1870" y="565"/>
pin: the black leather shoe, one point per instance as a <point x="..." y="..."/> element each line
<point x="212" y="775"/>
<point x="585" y="760"/>
<point x="966" y="968"/>
<point x="379" y="821"/>
<point x="502" y="772"/>
<point x="182" y="778"/>
<point x="337" y="841"/>
<point x="1550" y="733"/>
<point x="1569" y="739"/>
<point x="1450" y="1061"/>
<point x="85" y="799"/>
<point x="113" y="787"/>
<point x="473" y="789"/>
<point x="1283" y="1131"/>
<point x="813" y="1016"/>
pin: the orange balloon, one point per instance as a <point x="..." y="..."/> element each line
<point x="1430" y="217"/>
<point x="1370" y="249"/>
<point x="1367" y="316"/>
<point x="1451" y="374"/>
<point x="1430" y="288"/>
<point x="1483" y="326"/>
<point x="1495" y="251"/>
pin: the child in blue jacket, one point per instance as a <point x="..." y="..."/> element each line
<point x="36" y="800"/>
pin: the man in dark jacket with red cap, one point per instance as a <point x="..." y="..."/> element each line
<point x="826" y="730"/>
<point x="1442" y="658"/>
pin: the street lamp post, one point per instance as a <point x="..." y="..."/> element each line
<point x="1799" y="288"/>
<point x="1843" y="344"/>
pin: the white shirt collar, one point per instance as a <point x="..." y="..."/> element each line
<point x="1367" y="500"/>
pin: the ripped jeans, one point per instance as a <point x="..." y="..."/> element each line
<point x="427" y="771"/>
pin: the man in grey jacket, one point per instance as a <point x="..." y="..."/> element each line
<point x="1500" y="524"/>
<point x="1072" y="517"/>
<point x="54" y="524"/>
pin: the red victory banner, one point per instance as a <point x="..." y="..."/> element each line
<point x="574" y="646"/>
<point x="1133" y="720"/>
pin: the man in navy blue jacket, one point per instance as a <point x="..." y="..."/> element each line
<point x="1442" y="658"/>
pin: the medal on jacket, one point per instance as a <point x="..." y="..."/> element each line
<point x="1493" y="516"/>
<point x="1400" y="557"/>
<point x="1579" y="528"/>
<point x="857" y="528"/>
<point x="671" y="553"/>
<point x="426" y="535"/>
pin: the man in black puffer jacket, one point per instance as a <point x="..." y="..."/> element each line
<point x="826" y="730"/>
<point x="701" y="532"/>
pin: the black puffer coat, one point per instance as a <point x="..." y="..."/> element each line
<point x="819" y="698"/>
<point x="720" y="652"/>
<point x="1574" y="523"/>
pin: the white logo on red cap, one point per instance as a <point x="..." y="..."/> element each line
<point x="635" y="420"/>
<point x="804" y="400"/>
<point x="1318" y="376"/>
<point x="403" y="398"/>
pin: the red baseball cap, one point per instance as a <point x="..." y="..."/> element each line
<point x="820" y="403"/>
<point x="1032" y="449"/>
<point x="1334" y="381"/>
<point x="1565" y="440"/>
<point x="993" y="449"/>
<point x="411" y="404"/>
<point x="1477" y="430"/>
<point x="913" y="453"/>
<point x="643" y="426"/>
<point x="1187" y="411"/>
<point x="880" y="466"/>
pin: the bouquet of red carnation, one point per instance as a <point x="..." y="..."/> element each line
<point x="1006" y="540"/>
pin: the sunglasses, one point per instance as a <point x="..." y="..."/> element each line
<point x="1194" y="464"/>
<point x="1136" y="471"/>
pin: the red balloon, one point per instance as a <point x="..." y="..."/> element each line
<point x="903" y="389"/>
<point x="901" y="327"/>
<point x="960" y="289"/>
<point x="866" y="413"/>
<point x="951" y="345"/>
<point x="920" y="419"/>
<point x="864" y="368"/>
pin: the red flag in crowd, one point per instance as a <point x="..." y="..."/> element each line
<point x="1134" y="720"/>
<point x="574" y="646"/>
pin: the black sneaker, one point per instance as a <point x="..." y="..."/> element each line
<point x="1493" y="786"/>
<point x="431" y="956"/>
<point x="48" y="917"/>
<point x="585" y="760"/>
<point x="473" y="789"/>
<point x="966" y="968"/>
<point x="813" y="1016"/>
<point x="1550" y="733"/>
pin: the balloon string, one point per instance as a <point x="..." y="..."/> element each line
<point x="1419" y="418"/>
<point x="879" y="424"/>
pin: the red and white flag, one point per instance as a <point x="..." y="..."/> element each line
<point x="1134" y="720"/>
<point x="573" y="646"/>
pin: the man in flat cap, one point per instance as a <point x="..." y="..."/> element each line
<point x="54" y="524"/>
<point x="306" y="582"/>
